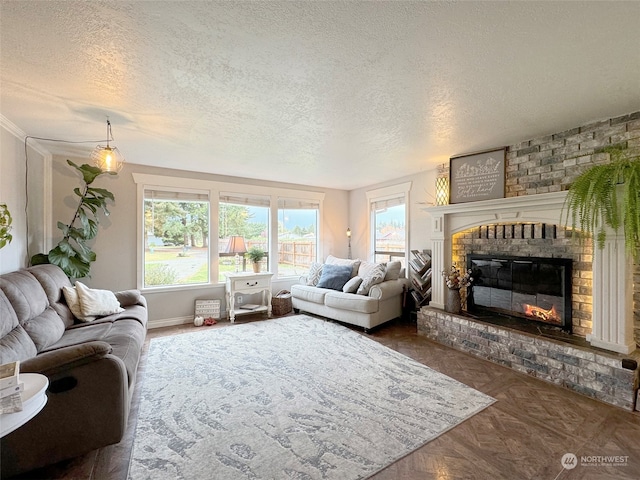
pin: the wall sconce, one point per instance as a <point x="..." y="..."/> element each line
<point x="236" y="245"/>
<point x="349" y="238"/>
<point x="442" y="185"/>
<point x="107" y="158"/>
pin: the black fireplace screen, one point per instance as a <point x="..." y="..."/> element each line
<point x="534" y="288"/>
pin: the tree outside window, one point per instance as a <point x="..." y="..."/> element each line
<point x="245" y="217"/>
<point x="176" y="238"/>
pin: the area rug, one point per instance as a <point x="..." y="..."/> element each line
<point x="291" y="398"/>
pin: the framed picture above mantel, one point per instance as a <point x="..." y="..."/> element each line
<point x="477" y="176"/>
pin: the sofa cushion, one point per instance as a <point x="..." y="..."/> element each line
<point x="352" y="285"/>
<point x="372" y="274"/>
<point x="31" y="305"/>
<point x="334" y="276"/>
<point x="15" y="343"/>
<point x="45" y="329"/>
<point x="309" y="293"/>
<point x="351" y="302"/>
<point x="315" y="270"/>
<point x="355" y="264"/>
<point x="85" y="332"/>
<point x="52" y="278"/>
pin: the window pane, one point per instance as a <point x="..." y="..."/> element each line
<point x="390" y="234"/>
<point x="176" y="239"/>
<point x="297" y="240"/>
<point x="242" y="224"/>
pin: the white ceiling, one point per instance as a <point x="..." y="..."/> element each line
<point x="334" y="94"/>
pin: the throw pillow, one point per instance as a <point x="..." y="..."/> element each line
<point x="97" y="303"/>
<point x="73" y="302"/>
<point x="393" y="270"/>
<point x="352" y="285"/>
<point x="355" y="264"/>
<point x="334" y="276"/>
<point x="374" y="276"/>
<point x="315" y="270"/>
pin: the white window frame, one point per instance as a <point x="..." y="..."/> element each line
<point x="215" y="188"/>
<point x="401" y="190"/>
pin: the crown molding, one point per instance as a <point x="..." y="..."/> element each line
<point x="17" y="132"/>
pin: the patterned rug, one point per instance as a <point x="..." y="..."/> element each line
<point x="291" y="398"/>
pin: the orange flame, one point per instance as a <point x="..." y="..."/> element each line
<point x="550" y="315"/>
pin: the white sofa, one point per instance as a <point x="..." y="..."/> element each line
<point x="382" y="303"/>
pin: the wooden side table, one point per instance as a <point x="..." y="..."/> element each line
<point x="34" y="399"/>
<point x="248" y="283"/>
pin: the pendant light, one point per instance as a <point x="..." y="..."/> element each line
<point x="107" y="158"/>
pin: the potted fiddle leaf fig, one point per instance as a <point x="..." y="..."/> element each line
<point x="255" y="254"/>
<point x="73" y="254"/>
<point x="608" y="195"/>
<point x="5" y="225"/>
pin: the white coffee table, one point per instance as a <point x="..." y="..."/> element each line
<point x="34" y="399"/>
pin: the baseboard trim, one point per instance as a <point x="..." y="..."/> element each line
<point x="169" y="322"/>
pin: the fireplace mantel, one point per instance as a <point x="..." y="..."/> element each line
<point x="612" y="268"/>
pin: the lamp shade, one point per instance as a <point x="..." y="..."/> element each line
<point x="236" y="245"/>
<point x="107" y="159"/>
<point x="442" y="191"/>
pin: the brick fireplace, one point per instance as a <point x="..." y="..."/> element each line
<point x="611" y="275"/>
<point x="602" y="297"/>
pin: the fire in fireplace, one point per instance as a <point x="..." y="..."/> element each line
<point x="532" y="288"/>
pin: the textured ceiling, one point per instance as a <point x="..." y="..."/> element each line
<point x="334" y="94"/>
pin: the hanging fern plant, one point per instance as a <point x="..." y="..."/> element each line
<point x="72" y="254"/>
<point x="608" y="196"/>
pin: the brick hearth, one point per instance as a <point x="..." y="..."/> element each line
<point x="587" y="370"/>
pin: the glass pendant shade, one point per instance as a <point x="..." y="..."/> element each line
<point x="106" y="157"/>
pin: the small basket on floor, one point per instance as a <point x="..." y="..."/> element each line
<point x="281" y="303"/>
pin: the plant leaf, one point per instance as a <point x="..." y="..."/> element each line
<point x="39" y="259"/>
<point x="89" y="173"/>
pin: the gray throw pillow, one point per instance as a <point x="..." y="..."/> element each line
<point x="334" y="276"/>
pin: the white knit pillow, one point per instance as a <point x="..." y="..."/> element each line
<point x="315" y="271"/>
<point x="373" y="275"/>
<point x="73" y="302"/>
<point x="97" y="303"/>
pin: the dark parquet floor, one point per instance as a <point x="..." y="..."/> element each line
<point x="522" y="436"/>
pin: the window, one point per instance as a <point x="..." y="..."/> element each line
<point x="190" y="229"/>
<point x="246" y="218"/>
<point x="389" y="223"/>
<point x="176" y="237"/>
<point x="297" y="235"/>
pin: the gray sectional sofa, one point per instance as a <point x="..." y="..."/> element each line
<point x="91" y="367"/>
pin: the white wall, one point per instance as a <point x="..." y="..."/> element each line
<point x="421" y="195"/>
<point x="115" y="245"/>
<point x="13" y="192"/>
